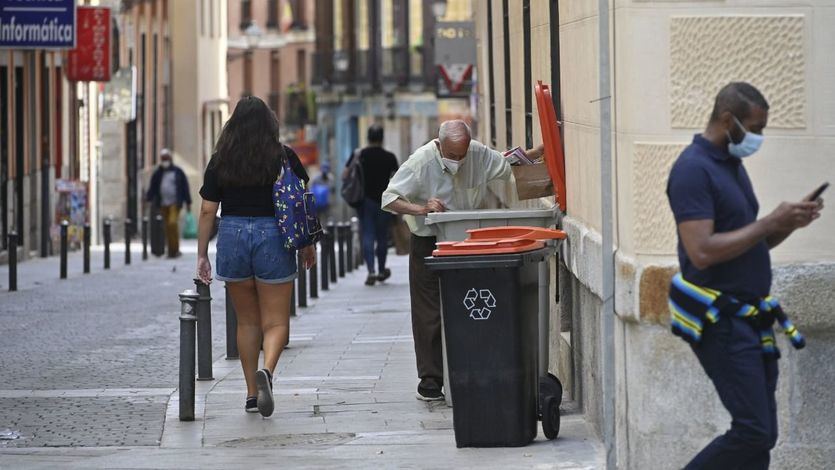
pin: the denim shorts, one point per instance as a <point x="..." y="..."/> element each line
<point x="251" y="247"/>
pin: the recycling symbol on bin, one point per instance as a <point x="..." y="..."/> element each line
<point x="479" y="303"/>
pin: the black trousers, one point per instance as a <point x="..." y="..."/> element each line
<point x="746" y="380"/>
<point x="425" y="294"/>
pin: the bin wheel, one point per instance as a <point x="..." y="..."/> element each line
<point x="549" y="386"/>
<point x="551" y="418"/>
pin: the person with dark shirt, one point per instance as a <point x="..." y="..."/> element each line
<point x="720" y="301"/>
<point x="251" y="257"/>
<point x="378" y="165"/>
<point x="168" y="191"/>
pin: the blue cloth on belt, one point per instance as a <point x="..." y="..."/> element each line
<point x="693" y="307"/>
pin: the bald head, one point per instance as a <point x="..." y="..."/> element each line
<point x="454" y="137"/>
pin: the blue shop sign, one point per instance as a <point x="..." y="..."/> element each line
<point x="37" y="24"/>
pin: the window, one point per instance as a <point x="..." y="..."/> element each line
<point x="301" y="66"/>
<point x="247" y="74"/>
<point x="526" y="33"/>
<point x="299" y="14"/>
<point x="508" y="112"/>
<point x="490" y="73"/>
<point x="272" y="13"/>
<point x="246" y="13"/>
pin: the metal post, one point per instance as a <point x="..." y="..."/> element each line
<point x="341" y="237"/>
<point x="332" y="233"/>
<point x="86" y="248"/>
<point x="349" y="247"/>
<point x="204" y="331"/>
<point x="356" y="255"/>
<point x="323" y="263"/>
<point x="12" y="261"/>
<point x="159" y="236"/>
<point x="293" y="301"/>
<point x="188" y="304"/>
<point x="301" y="282"/>
<point x="145" y="238"/>
<point x="107" y="237"/>
<point x="128" y="223"/>
<point x="64" y="226"/>
<point x="231" y="328"/>
<point x="314" y="277"/>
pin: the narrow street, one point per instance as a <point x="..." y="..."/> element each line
<point x="94" y="385"/>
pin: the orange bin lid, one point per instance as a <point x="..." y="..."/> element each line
<point x="516" y="232"/>
<point x="487" y="247"/>
<point x="552" y="139"/>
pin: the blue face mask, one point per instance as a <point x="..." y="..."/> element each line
<point x="749" y="144"/>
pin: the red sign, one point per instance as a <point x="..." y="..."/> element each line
<point x="90" y="60"/>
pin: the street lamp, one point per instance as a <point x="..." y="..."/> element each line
<point x="253" y="35"/>
<point x="439" y="8"/>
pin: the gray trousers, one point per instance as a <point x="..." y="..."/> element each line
<point x="426" y="314"/>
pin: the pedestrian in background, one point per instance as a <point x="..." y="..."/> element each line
<point x="378" y="165"/>
<point x="448" y="173"/>
<point x="720" y="302"/>
<point x="169" y="191"/>
<point x="251" y="257"/>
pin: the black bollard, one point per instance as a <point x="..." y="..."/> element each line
<point x="128" y="223"/>
<point x="356" y="231"/>
<point x="231" y="328"/>
<point x="293" y="301"/>
<point x="64" y="226"/>
<point x="332" y="233"/>
<point x="86" y="248"/>
<point x="107" y="238"/>
<point x="314" y="281"/>
<point x="145" y="238"/>
<point x="188" y="303"/>
<point x="340" y="236"/>
<point x="301" y="283"/>
<point x="204" y="331"/>
<point x="158" y="235"/>
<point x="323" y="264"/>
<point x="12" y="261"/>
<point x="349" y="247"/>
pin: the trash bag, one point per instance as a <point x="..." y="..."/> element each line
<point x="190" y="226"/>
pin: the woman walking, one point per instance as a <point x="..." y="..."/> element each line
<point x="251" y="257"/>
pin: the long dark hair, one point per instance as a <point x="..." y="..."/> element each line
<point x="248" y="152"/>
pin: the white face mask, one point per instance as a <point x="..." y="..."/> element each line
<point x="166" y="163"/>
<point x="451" y="165"/>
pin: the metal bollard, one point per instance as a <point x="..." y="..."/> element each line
<point x="188" y="304"/>
<point x="332" y="233"/>
<point x="356" y="255"/>
<point x="128" y="223"/>
<point x="340" y="236"/>
<point x="323" y="264"/>
<point x="145" y="238"/>
<point x="349" y="248"/>
<point x="301" y="283"/>
<point x="64" y="226"/>
<point x="204" y="331"/>
<point x="12" y="261"/>
<point x="86" y="247"/>
<point x="107" y="237"/>
<point x="314" y="281"/>
<point x="293" y="301"/>
<point x="158" y="233"/>
<point x="231" y="328"/>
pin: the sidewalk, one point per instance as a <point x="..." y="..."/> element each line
<point x="344" y="399"/>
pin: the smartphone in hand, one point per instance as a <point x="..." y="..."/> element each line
<point x="815" y="195"/>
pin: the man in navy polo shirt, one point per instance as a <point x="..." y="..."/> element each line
<point x="723" y="246"/>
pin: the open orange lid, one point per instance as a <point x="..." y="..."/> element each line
<point x="487" y="247"/>
<point x="516" y="232"/>
<point x="552" y="139"/>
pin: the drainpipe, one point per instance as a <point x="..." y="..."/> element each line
<point x="607" y="327"/>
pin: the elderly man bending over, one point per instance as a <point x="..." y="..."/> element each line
<point x="449" y="173"/>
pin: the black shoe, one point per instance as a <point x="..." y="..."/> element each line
<point x="264" y="382"/>
<point x="384" y="274"/>
<point x="429" y="394"/>
<point x="371" y="279"/>
<point x="251" y="405"/>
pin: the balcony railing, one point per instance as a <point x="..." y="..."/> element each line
<point x="323" y="69"/>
